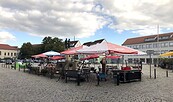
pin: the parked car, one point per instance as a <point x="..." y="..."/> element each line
<point x="8" y="61"/>
<point x="2" y="61"/>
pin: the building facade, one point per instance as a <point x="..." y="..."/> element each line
<point x="7" y="51"/>
<point x="156" y="44"/>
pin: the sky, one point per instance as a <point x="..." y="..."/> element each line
<point x="24" y="21"/>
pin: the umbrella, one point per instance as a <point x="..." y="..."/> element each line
<point x="57" y="58"/>
<point x="51" y="53"/>
<point x="167" y="54"/>
<point x="39" y="56"/>
<point x="72" y="51"/>
<point x="107" y="47"/>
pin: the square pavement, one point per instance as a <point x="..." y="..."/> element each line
<point x="19" y="86"/>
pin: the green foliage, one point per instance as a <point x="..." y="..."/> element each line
<point x="54" y="44"/>
<point x="48" y="43"/>
<point x="26" y="50"/>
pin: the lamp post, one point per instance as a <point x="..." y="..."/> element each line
<point x="158" y="45"/>
<point x="150" y="52"/>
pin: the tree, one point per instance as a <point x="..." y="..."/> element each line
<point x="26" y="50"/>
<point x="55" y="44"/>
<point x="48" y="43"/>
<point x="66" y="43"/>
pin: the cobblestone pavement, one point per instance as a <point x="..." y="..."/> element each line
<point x="18" y="86"/>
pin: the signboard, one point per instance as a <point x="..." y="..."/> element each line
<point x="149" y="52"/>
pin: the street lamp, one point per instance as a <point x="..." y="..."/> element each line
<point x="150" y="52"/>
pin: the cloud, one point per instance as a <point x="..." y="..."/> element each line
<point x="140" y="16"/>
<point x="6" y="36"/>
<point x="66" y="18"/>
<point x="82" y="18"/>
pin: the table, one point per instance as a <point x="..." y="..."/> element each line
<point x="128" y="75"/>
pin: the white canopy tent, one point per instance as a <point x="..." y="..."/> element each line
<point x="51" y="53"/>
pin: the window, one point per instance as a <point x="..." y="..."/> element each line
<point x="134" y="46"/>
<point x="129" y="46"/>
<point x="155" y="45"/>
<point x="143" y="46"/>
<point x="162" y="44"/>
<point x="170" y="43"/>
<point x="163" y="51"/>
<point x="150" y="39"/>
<point x="5" y="54"/>
<point x="14" y="54"/>
<point x="8" y="53"/>
<point x="0" y="52"/>
<point x="166" y="44"/>
<point x="11" y="54"/>
<point x="149" y="46"/>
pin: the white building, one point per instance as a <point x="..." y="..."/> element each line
<point x="7" y="51"/>
<point x="159" y="43"/>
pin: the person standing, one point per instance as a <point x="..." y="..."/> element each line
<point x="103" y="62"/>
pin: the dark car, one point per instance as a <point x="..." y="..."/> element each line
<point x="2" y="61"/>
<point x="8" y="62"/>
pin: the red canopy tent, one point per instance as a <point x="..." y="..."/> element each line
<point x="90" y="57"/>
<point x="39" y="56"/>
<point x="57" y="58"/>
<point x="113" y="57"/>
<point x="107" y="47"/>
<point x="72" y="50"/>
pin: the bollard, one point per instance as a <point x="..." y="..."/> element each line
<point x="19" y="67"/>
<point x="167" y="73"/>
<point x="66" y="77"/>
<point x="24" y="68"/>
<point x="154" y="73"/>
<point x="78" y="78"/>
<point x="98" y="79"/>
<point x="118" y="79"/>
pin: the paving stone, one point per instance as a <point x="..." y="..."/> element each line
<point x="19" y="86"/>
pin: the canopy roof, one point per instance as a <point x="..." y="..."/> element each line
<point x="57" y="58"/>
<point x="90" y="57"/>
<point x="138" y="52"/>
<point x="167" y="54"/>
<point x="107" y="47"/>
<point x="39" y="56"/>
<point x="51" y="53"/>
<point x="72" y="50"/>
<point x="113" y="57"/>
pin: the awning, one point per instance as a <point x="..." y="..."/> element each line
<point x="167" y="54"/>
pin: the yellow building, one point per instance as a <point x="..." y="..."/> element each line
<point x="7" y="51"/>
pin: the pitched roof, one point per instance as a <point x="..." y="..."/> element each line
<point x="150" y="38"/>
<point x="73" y="43"/>
<point x="94" y="42"/>
<point x="8" y="47"/>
